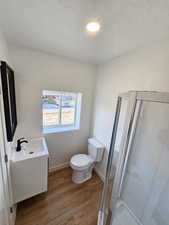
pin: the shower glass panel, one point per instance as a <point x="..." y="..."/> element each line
<point x="140" y="193"/>
<point x="122" y="111"/>
<point x="147" y="176"/>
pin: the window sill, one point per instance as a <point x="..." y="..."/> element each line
<point x="59" y="129"/>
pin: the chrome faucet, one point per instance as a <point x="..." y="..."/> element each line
<point x="19" y="142"/>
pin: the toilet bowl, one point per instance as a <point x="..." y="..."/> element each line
<point x="83" y="164"/>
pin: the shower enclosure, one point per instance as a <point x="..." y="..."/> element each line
<point x="136" y="189"/>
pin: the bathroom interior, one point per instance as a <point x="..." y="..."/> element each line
<point x="84" y="105"/>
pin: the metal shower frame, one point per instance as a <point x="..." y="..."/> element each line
<point x="135" y="99"/>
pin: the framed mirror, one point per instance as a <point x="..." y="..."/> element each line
<point x="9" y="99"/>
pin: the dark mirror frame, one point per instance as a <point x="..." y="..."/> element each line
<point x="9" y="99"/>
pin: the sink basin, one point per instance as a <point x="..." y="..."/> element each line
<point x="35" y="147"/>
<point x="29" y="169"/>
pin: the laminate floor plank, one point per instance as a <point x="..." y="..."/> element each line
<point x="65" y="203"/>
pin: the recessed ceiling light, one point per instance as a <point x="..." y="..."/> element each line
<point x="93" y="27"/>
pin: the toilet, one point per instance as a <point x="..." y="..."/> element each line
<point x="83" y="164"/>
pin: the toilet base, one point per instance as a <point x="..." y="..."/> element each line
<point x="80" y="176"/>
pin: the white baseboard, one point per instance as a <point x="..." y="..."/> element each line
<point x="66" y="164"/>
<point x="58" y="167"/>
<point x="100" y="174"/>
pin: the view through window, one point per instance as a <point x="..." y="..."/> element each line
<point x="60" y="109"/>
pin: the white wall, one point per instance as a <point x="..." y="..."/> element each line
<point x="3" y="47"/>
<point x="145" y="69"/>
<point x="36" y="71"/>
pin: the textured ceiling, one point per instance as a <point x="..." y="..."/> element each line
<point x="58" y="26"/>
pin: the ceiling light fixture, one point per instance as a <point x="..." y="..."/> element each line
<point x="93" y="27"/>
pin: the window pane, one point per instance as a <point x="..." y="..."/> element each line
<point x="51" y="106"/>
<point x="68" y="109"/>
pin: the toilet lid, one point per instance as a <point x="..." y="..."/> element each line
<point x="81" y="160"/>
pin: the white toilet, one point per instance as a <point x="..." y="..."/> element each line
<point x="83" y="164"/>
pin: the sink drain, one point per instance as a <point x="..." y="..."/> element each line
<point x="31" y="152"/>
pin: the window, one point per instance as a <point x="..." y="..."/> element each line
<point x="61" y="111"/>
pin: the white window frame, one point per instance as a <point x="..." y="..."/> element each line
<point x="63" y="127"/>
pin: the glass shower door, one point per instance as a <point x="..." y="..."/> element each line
<point x="140" y="191"/>
<point x="124" y="110"/>
<point x="145" y="190"/>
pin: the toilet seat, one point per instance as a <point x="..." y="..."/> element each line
<point x="81" y="161"/>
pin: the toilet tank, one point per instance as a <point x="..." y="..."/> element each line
<point x="95" y="149"/>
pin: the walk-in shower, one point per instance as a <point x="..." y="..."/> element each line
<point x="138" y="193"/>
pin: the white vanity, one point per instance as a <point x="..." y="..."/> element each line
<point x="30" y="169"/>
